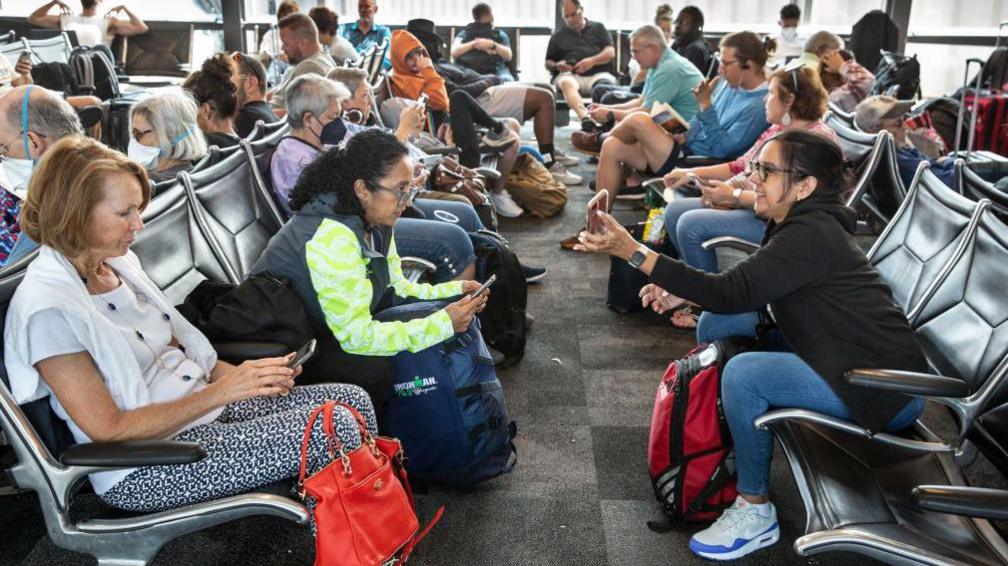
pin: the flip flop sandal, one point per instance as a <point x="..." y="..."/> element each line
<point x="691" y="313"/>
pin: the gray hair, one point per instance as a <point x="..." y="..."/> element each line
<point x="821" y="40"/>
<point x="173" y="118"/>
<point x="350" y="77"/>
<point x="311" y="93"/>
<point x="649" y="34"/>
<point x="48" y="115"/>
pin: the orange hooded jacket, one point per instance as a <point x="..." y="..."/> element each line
<point x="411" y="85"/>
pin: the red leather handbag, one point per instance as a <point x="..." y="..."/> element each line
<point x="364" y="513"/>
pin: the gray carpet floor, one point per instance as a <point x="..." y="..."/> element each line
<point x="580" y="494"/>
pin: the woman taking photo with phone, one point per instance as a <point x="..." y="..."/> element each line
<point x="339" y="252"/>
<point x="833" y="314"/>
<point x="89" y="329"/>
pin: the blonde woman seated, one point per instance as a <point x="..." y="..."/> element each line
<point x="90" y="330"/>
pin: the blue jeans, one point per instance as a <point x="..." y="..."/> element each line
<point x="689" y="224"/>
<point x="755" y="382"/>
<point x="444" y="244"/>
<point x="457" y="213"/>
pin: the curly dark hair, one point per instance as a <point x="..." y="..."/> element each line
<point x="368" y="156"/>
<point x="213" y="84"/>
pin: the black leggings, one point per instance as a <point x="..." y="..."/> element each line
<point x="375" y="374"/>
<point x="465" y="115"/>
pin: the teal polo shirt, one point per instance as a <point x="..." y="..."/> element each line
<point x="672" y="81"/>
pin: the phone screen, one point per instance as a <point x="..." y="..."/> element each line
<point x="423" y="99"/>
<point x="485" y="285"/>
<point x="303" y="355"/>
<point x="599" y="202"/>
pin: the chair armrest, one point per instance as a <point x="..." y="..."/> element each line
<point x="730" y="242"/>
<point x="980" y="502"/>
<point x="133" y="453"/>
<point x="702" y="161"/>
<point x="442" y="150"/>
<point x="784" y="416"/>
<point x="491" y="175"/>
<point x="242" y="351"/>
<point x="908" y="382"/>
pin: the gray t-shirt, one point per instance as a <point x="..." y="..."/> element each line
<point x="341" y="49"/>
<point x="320" y="63"/>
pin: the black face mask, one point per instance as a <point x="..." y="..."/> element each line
<point x="333" y="132"/>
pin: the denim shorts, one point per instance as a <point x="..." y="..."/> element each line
<point x="444" y="244"/>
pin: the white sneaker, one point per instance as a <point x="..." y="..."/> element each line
<point x="739" y="531"/>
<point x="560" y="173"/>
<point x="565" y="159"/>
<point x="505" y="205"/>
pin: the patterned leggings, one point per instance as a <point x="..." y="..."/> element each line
<point x="253" y="443"/>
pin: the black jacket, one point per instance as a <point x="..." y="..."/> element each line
<point x="832" y="307"/>
<point x="697" y="51"/>
<point x="457" y="77"/>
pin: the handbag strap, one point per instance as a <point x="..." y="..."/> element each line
<point x="419" y="536"/>
<point x="333" y="443"/>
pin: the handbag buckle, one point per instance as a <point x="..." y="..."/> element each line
<point x="347" y="470"/>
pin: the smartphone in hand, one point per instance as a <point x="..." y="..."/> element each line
<point x="302" y="355"/>
<point x="599" y="202"/>
<point x="713" y="69"/>
<point x="486" y="285"/>
<point x="422" y="101"/>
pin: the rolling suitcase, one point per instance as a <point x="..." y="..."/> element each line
<point x="986" y="163"/>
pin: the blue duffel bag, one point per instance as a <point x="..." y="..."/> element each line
<point x="448" y="407"/>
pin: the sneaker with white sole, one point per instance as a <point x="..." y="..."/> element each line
<point x="566" y="160"/>
<point x="560" y="173"/>
<point x="739" y="531"/>
<point x="505" y="205"/>
<point x="499" y="141"/>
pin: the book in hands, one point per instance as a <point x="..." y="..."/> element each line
<point x="667" y="117"/>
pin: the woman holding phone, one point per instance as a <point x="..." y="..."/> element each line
<point x="339" y="252"/>
<point x="90" y="330"/>
<point x="833" y="314"/>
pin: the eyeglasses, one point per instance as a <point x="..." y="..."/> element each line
<point x="137" y="134"/>
<point x="402" y="196"/>
<point x="764" y="170"/>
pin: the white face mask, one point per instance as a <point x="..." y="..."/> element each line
<point x="142" y="154"/>
<point x="15" y="174"/>
<point x="789" y="33"/>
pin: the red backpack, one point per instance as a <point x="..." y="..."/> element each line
<point x="690" y="454"/>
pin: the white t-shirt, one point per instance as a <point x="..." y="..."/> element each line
<point x="50" y="335"/>
<point x="90" y="30"/>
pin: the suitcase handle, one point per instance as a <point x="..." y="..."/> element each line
<point x="962" y="103"/>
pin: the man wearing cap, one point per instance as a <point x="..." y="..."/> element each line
<point x="880" y="112"/>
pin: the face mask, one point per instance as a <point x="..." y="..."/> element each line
<point x="333" y="132"/>
<point x="789" y="33"/>
<point x="15" y="174"/>
<point x="142" y="154"/>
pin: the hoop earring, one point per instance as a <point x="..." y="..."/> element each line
<point x="785" y="120"/>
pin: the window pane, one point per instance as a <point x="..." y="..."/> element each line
<point x="167" y="10"/>
<point x="537" y="13"/>
<point x="840" y="17"/>
<point x="957" y="17"/>
<point x="945" y="67"/>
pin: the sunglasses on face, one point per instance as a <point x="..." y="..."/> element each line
<point x="764" y="170"/>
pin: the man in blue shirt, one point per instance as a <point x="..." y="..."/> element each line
<point x="365" y="33"/>
<point x="880" y="112"/>
<point x="483" y="48"/>
<point x="731" y="116"/>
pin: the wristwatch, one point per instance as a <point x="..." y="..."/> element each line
<point x="736" y="195"/>
<point x="637" y="258"/>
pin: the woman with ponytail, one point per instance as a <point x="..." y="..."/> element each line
<point x="217" y="96"/>
<point x="339" y="252"/>
<point x="831" y="309"/>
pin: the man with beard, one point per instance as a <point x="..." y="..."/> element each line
<point x="252" y="105"/>
<point x="300" y="42"/>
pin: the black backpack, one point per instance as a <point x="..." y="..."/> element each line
<point x="479" y="61"/>
<point x="95" y="72"/>
<point x="898" y="76"/>
<point x="56" y="77"/>
<point x="503" y="320"/>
